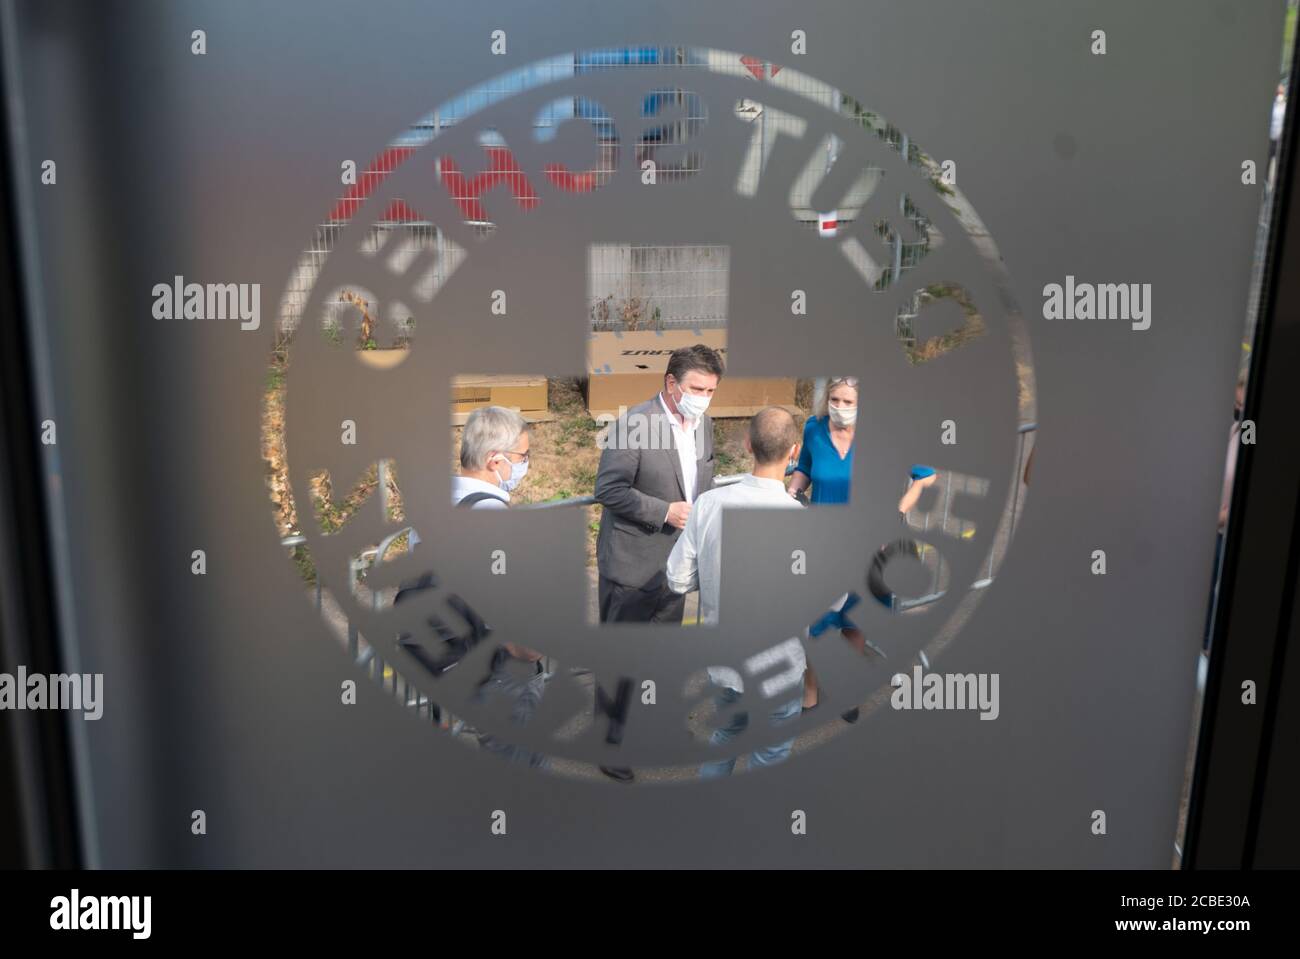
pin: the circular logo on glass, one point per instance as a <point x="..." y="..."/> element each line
<point x="651" y="414"/>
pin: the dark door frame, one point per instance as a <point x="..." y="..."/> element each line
<point x="38" y="820"/>
<point x="1245" y="759"/>
<point x="1246" y="785"/>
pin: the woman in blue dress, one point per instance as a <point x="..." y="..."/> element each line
<point x="826" y="458"/>
<point x="826" y="464"/>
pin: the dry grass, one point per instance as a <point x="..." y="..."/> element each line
<point x="564" y="457"/>
<point x="277" y="471"/>
<point x="563" y="462"/>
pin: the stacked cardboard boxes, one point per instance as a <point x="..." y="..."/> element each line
<point x="628" y="368"/>
<point x="525" y="393"/>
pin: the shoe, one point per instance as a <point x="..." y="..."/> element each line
<point x="620" y="774"/>
<point x="808" y="709"/>
<point x="851" y="716"/>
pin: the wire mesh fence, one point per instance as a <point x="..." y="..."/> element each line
<point x="629" y="286"/>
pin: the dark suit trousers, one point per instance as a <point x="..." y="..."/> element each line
<point x="655" y="602"/>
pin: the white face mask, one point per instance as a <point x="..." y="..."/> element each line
<point x="690" y="405"/>
<point x="843" y="415"/>
<point x="517" y="473"/>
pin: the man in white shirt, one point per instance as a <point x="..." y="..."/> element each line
<point x="493" y="458"/>
<point x="494" y="448"/>
<point x="696" y="563"/>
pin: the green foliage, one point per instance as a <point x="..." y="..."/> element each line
<point x="723" y="460"/>
<point x="331" y="515"/>
<point x="306" y="568"/>
<point x="1288" y="38"/>
<point x="580" y="430"/>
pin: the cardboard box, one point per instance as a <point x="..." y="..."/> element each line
<point x="527" y="394"/>
<point x="628" y="368"/>
<point x="524" y="393"/>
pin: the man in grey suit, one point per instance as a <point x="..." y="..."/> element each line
<point x="658" y="456"/>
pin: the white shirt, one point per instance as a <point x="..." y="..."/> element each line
<point x="462" y="486"/>
<point x="696" y="559"/>
<point x="684" y="437"/>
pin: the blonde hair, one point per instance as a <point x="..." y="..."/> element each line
<point x="835" y="383"/>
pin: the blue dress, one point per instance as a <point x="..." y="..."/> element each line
<point x="820" y="461"/>
<point x="831" y="475"/>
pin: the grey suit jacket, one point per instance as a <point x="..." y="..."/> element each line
<point x="636" y="485"/>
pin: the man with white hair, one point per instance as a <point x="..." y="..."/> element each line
<point x="493" y="458"/>
<point x="493" y="461"/>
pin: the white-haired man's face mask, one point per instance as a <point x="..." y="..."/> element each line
<point x="513" y="462"/>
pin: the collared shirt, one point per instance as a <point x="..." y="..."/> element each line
<point x="685" y="439"/>
<point x="696" y="559"/>
<point x="462" y="486"/>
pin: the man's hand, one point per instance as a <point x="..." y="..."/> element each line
<point x="678" y="513"/>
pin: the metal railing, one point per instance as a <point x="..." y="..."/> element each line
<point x="591" y="500"/>
<point x="369" y="659"/>
<point x="1002" y="538"/>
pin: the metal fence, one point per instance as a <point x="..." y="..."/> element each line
<point x="947" y="523"/>
<point x="629" y="287"/>
<point x="638" y="287"/>
<point x="367" y="658"/>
